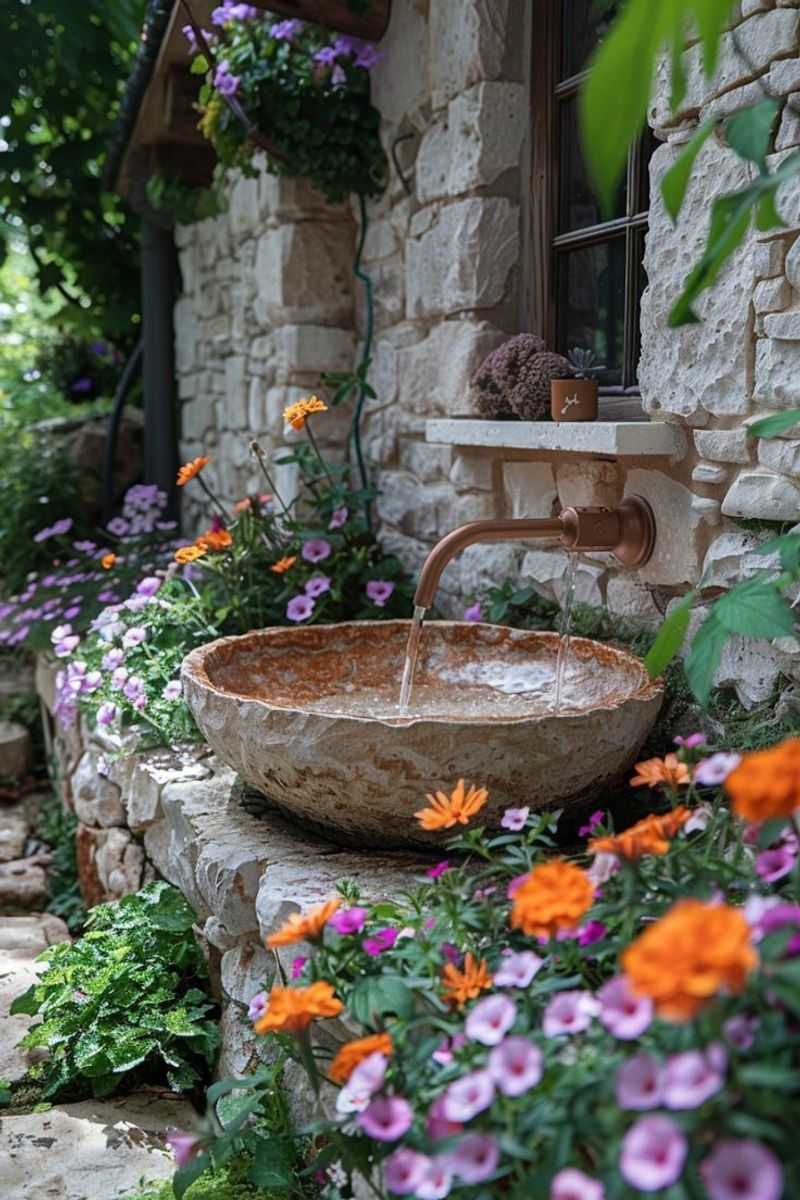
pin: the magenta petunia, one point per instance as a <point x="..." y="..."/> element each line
<point x="468" y="1096"/>
<point x="569" y="1012"/>
<point x="572" y="1184"/>
<point x="775" y="863"/>
<point x="653" y="1153"/>
<point x="316" y="550"/>
<point x="348" y="920"/>
<point x="490" y="1020"/>
<point x="640" y="1083"/>
<point x="742" y="1169"/>
<point x="594" y="820"/>
<point x="298" y="966"/>
<point x="591" y="932"/>
<point x="692" y="741"/>
<point x="517" y="970"/>
<point x="475" y="1158"/>
<point x="387" y="1118"/>
<point x="382" y="940"/>
<point x="438" y="870"/>
<point x="622" y="1012"/>
<point x="515" y="1066"/>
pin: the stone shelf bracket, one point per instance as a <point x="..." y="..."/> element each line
<point x="604" y="439"/>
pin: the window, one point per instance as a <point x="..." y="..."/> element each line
<point x="588" y="265"/>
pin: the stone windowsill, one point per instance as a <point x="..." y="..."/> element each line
<point x="606" y="439"/>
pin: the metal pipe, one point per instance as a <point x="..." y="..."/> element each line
<point x="160" y="409"/>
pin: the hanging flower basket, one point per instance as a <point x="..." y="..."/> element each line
<point x="360" y="18"/>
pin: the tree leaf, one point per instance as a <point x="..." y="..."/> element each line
<point x="748" y="132"/>
<point x="787" y="546"/>
<point x="676" y="180"/>
<point x="26" y="1003"/>
<point x="273" y="1162"/>
<point x="757" y="609"/>
<point x="772" y="426"/>
<point x="703" y="657"/>
<point x="187" y="1175"/>
<point x="669" y="639"/>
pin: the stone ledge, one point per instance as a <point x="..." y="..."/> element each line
<point x="616" y="439"/>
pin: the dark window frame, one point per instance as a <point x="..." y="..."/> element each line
<point x="549" y="91"/>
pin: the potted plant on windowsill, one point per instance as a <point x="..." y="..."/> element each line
<point x="574" y="398"/>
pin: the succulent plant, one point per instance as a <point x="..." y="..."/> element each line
<point x="498" y="375"/>
<point x="530" y="399"/>
<point x="581" y="361"/>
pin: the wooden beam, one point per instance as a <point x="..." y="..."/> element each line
<point x="181" y="116"/>
<point x="336" y="15"/>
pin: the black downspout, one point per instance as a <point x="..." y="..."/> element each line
<point x="158" y="365"/>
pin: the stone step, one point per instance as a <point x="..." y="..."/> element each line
<point x="16" y="750"/>
<point x="14" y="831"/>
<point x="95" y="1150"/>
<point x="23" y="885"/>
<point x="22" y="939"/>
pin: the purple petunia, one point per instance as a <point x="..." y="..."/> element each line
<point x="315" y="550"/>
<point x="742" y="1169"/>
<point x="468" y="1096"/>
<point x="368" y="57"/>
<point x="225" y="83"/>
<point x="379" y="591"/>
<point x="257" y="1006"/>
<point x="569" y="1012"/>
<point x="475" y="1158"/>
<point x="299" y="608"/>
<point x="149" y="585"/>
<point x="387" y="1118"/>
<point x="326" y="57"/>
<point x="624" y="1014"/>
<point x="106" y="713"/>
<point x="640" y="1083"/>
<point x="317" y="586"/>
<point x="474" y="612"/>
<point x="338" y="518"/>
<point x="172" y="691"/>
<point x="285" y="31"/>
<point x="572" y="1184"/>
<point x="515" y="818"/>
<point x="57" y="530"/>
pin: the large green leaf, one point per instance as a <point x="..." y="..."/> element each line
<point x="703" y="656"/>
<point x="773" y="426"/>
<point x="273" y="1162"/>
<point x="676" y="180"/>
<point x="748" y="132"/>
<point x="787" y="546"/>
<point x="669" y="639"/>
<point x="757" y="609"/>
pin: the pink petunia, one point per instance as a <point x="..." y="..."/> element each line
<point x="692" y="741"/>
<point x="569" y="1012"/>
<point x="298" y="966"/>
<point x="490" y="1020"/>
<point x="387" y="1118"/>
<point x="602" y="868"/>
<point x="639" y="1083"/>
<point x="475" y="1158"/>
<point x="404" y="1170"/>
<point x="437" y="1125"/>
<point x="515" y="1066"/>
<point x="517" y="970"/>
<point x="338" y="518"/>
<point x="379" y="591"/>
<point x="515" y="818"/>
<point x="365" y="1080"/>
<point x="438" y="870"/>
<point x="474" y="612"/>
<point x="437" y="1182"/>
<point x="257" y="1006"/>
<point x="742" y="1169"/>
<point x="185" y="1146"/>
<point x="693" y="1077"/>
<point x="572" y="1184"/>
<point x="315" y="550"/>
<point x="468" y="1096"/>
<point x="713" y="771"/>
<point x="348" y="920"/>
<point x="622" y="1012"/>
<point x="653" y="1153"/>
<point x="741" y="1030"/>
<point x="775" y="863"/>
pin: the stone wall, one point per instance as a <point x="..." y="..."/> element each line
<point x="269" y="302"/>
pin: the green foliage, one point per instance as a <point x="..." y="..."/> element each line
<point x="184" y="204"/>
<point x="669" y="638"/>
<point x="775" y="425"/>
<point x="124" y="1004"/>
<point x="229" y="1182"/>
<point x="317" y="119"/>
<point x="614" y="105"/>
<point x="61" y="74"/>
<point x="56" y="827"/>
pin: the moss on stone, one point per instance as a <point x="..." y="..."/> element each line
<point x="229" y="1182"/>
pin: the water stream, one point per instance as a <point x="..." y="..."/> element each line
<point x="412" y="650"/>
<point x="566" y="625"/>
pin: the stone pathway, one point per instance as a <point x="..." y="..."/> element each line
<point x="101" y="1150"/>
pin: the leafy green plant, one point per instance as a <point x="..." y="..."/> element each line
<point x="124" y="1004"/>
<point x="183" y="203"/>
<point x="56" y="827"/>
<point x="614" y="106"/>
<point x="228" y="1182"/>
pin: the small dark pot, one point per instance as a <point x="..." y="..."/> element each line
<point x="573" y="399"/>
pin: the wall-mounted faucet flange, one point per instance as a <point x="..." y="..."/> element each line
<point x="628" y="531"/>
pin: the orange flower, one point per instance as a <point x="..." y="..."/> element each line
<point x="766" y="784"/>
<point x="460" y="986"/>
<point x="649" y="836"/>
<point x="291" y="1010"/>
<point x="304" y="927"/>
<point x="297" y="413"/>
<point x="554" y="896"/>
<point x="107" y="561"/>
<point x="455" y="809"/>
<point x="243" y="505"/>
<point x="682" y="960"/>
<point x="668" y="770"/>
<point x="214" y="539"/>
<point x="352" y="1053"/>
<point x="188" y="554"/>
<point x="283" y="564"/>
<point x="190" y="469"/>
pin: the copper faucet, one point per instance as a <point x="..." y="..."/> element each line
<point x="627" y="531"/>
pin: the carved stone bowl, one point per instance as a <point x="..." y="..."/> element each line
<point x="309" y="717"/>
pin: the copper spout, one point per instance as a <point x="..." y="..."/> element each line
<point x="627" y="531"/>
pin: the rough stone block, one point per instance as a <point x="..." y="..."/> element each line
<point x="682" y="527"/>
<point x="589" y="483"/>
<point x="780" y="454"/>
<point x="429" y="464"/>
<point x="788" y="134"/>
<point x="530" y="489"/>
<point x="120" y="864"/>
<point x="434" y="374"/>
<point x="316" y="348"/>
<point x="96" y="800"/>
<point x="468" y="40"/>
<point x="723" y="565"/>
<point x="752" y="669"/>
<point x="284" y="198"/>
<point x="759" y="495"/>
<point x="679" y="371"/>
<point x="16" y="751"/>
<point x="784" y="326"/>
<point x="465" y="260"/>
<point x="545" y="571"/>
<point x="784" y="76"/>
<point x="244" y="216"/>
<point x="14" y="831"/>
<point x="304" y="274"/>
<point x="724" y="445"/>
<point x="771" y="295"/>
<point x="777" y="373"/>
<point x="471" y="471"/>
<point x="792" y="264"/>
<point x="486" y="565"/>
<point x="23" y="885"/>
<point x="471" y="144"/>
<point x="152" y="772"/>
<point x="400" y="81"/>
<point x="245" y="970"/>
<point x="768" y="258"/>
<point x="709" y="473"/>
<point x="628" y="597"/>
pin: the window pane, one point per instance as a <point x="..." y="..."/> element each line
<point x="591" y="288"/>
<point x="584" y="27"/>
<point x="578" y="207"/>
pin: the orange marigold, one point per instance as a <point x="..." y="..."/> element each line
<point x="461" y="986"/>
<point x="188" y="554"/>
<point x="190" y="469"/>
<point x="668" y="770"/>
<point x="682" y="960"/>
<point x="107" y="561"/>
<point x="214" y="539"/>
<point x="297" y="413"/>
<point x="649" y="836"/>
<point x="304" y="927"/>
<point x="766" y="784"/>
<point x="283" y="564"/>
<point x="291" y="1010"/>
<point x="351" y="1054"/>
<point x="456" y="809"/>
<point x="554" y="896"/>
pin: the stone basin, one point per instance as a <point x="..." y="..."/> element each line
<point x="309" y="717"/>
